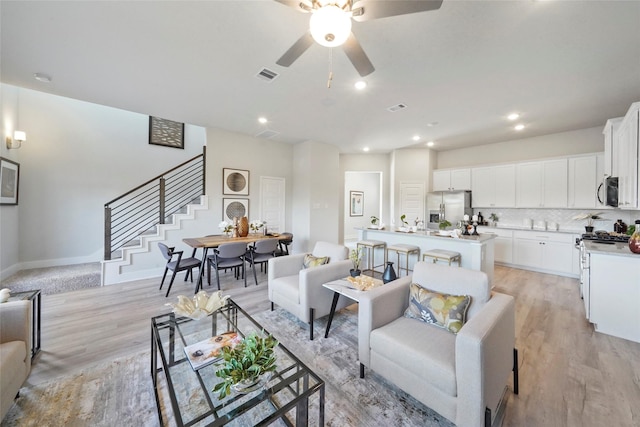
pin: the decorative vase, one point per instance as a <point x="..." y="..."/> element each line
<point x="252" y="384"/>
<point x="634" y="240"/>
<point x="389" y="274"/>
<point x="588" y="228"/>
<point x="243" y="227"/>
<point x="354" y="273"/>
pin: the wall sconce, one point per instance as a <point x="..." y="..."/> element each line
<point x="18" y="138"/>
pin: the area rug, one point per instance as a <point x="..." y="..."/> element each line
<point x="121" y="393"/>
<point x="55" y="280"/>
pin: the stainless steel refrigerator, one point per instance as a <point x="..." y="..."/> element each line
<point x="449" y="205"/>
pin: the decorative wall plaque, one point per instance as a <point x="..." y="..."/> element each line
<point x="166" y="132"/>
<point x="235" y="182"/>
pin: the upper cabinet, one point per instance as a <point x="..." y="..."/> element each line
<point x="452" y="180"/>
<point x="542" y="184"/>
<point x="493" y="186"/>
<point x="611" y="148"/>
<point x="628" y="162"/>
<point x="584" y="182"/>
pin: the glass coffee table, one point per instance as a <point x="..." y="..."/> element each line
<point x="287" y="399"/>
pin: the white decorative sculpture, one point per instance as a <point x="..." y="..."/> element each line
<point x="200" y="306"/>
<point x="4" y="295"/>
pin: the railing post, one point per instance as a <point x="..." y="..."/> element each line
<point x="204" y="169"/>
<point x="162" y="200"/>
<point x="107" y="233"/>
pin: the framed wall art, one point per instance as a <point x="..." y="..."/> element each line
<point x="235" y="182"/>
<point x="356" y="203"/>
<point x="166" y="132"/>
<point x="234" y="207"/>
<point x="9" y="181"/>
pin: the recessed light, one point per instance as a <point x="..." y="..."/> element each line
<point x="416" y="137"/>
<point x="513" y="116"/>
<point x="42" y="78"/>
<point x="519" y="127"/>
<point x="432" y="124"/>
<point x="430" y="144"/>
<point x="365" y="149"/>
<point x="262" y="120"/>
<point x="360" y="85"/>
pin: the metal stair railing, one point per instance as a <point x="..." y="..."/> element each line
<point x="141" y="209"/>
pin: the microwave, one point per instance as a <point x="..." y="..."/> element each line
<point x="611" y="191"/>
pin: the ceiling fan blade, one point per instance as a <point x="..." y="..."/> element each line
<point x="299" y="5"/>
<point x="356" y="55"/>
<point x="366" y="10"/>
<point x="294" y="52"/>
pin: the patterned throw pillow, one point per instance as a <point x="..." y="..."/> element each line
<point x="314" y="261"/>
<point x="445" y="311"/>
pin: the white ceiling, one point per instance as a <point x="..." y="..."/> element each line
<point x="563" y="65"/>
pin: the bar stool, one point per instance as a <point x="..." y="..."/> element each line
<point x="407" y="250"/>
<point x="441" y="254"/>
<point x="370" y="247"/>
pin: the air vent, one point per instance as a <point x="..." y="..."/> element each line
<point x="267" y="134"/>
<point x="397" y="107"/>
<point x="267" y="75"/>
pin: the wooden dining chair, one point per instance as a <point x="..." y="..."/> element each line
<point x="180" y="264"/>
<point x="261" y="252"/>
<point x="227" y="255"/>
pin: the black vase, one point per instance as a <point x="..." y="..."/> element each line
<point x="389" y="274"/>
<point x="354" y="273"/>
<point x="588" y="228"/>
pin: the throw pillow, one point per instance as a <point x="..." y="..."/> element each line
<point x="445" y="311"/>
<point x="314" y="261"/>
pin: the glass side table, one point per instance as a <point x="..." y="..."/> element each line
<point x="35" y="298"/>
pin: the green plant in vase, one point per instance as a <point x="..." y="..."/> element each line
<point x="494" y="219"/>
<point x="356" y="257"/>
<point x="245" y="363"/>
<point x="375" y="220"/>
<point x="443" y="224"/>
<point x="403" y="218"/>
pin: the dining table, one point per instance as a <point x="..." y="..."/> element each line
<point x="213" y="241"/>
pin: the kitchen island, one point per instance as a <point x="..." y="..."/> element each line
<point x="476" y="251"/>
<point x="611" y="289"/>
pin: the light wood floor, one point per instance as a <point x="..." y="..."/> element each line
<point x="569" y="374"/>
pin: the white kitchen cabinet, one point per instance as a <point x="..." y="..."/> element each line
<point x="611" y="147"/>
<point x="583" y="182"/>
<point x="544" y="251"/>
<point x="615" y="295"/>
<point x="493" y="186"/>
<point x="452" y="180"/>
<point x="542" y="184"/>
<point x="502" y="244"/>
<point x="628" y="162"/>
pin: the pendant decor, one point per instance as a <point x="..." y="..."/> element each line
<point x="243" y="227"/>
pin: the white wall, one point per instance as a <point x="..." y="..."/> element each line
<point x="78" y="156"/>
<point x="369" y="183"/>
<point x="410" y="165"/>
<point x="558" y="144"/>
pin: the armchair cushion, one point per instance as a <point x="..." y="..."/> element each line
<point x="442" y="310"/>
<point x="314" y="261"/>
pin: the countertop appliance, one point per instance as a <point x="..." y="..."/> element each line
<point x="449" y="205"/>
<point x="605" y="237"/>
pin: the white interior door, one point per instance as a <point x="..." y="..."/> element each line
<point x="411" y="202"/>
<point x="272" y="203"/>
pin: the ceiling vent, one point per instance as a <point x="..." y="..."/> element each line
<point x="267" y="75"/>
<point x="267" y="134"/>
<point x="397" y="107"/>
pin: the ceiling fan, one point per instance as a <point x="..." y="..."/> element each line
<point x="330" y="25"/>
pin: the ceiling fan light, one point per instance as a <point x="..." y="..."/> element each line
<point x="330" y="26"/>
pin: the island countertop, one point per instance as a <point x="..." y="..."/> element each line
<point x="620" y="249"/>
<point x="477" y="252"/>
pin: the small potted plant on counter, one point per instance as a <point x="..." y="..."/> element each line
<point x="375" y="221"/>
<point x="494" y="219"/>
<point x="590" y="217"/>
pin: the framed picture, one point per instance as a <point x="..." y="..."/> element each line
<point x="9" y="181"/>
<point x="234" y="207"/>
<point x="166" y="132"/>
<point x="357" y="203"/>
<point x="235" y="182"/>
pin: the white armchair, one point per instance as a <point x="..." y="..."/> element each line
<point x="299" y="290"/>
<point x="461" y="376"/>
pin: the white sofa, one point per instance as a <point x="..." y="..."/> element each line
<point x="461" y="376"/>
<point x="299" y="290"/>
<point x="15" y="350"/>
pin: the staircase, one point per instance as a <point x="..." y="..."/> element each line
<point x="148" y="214"/>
